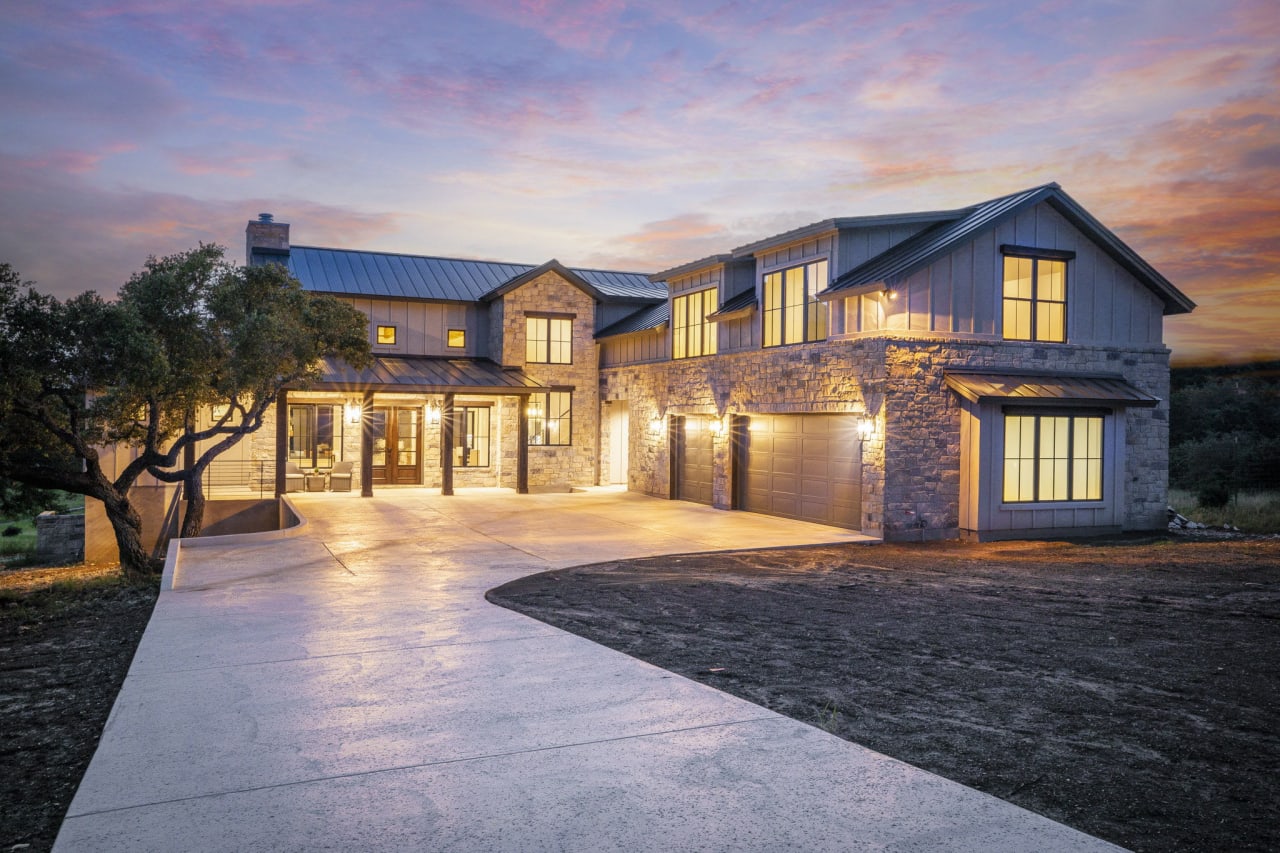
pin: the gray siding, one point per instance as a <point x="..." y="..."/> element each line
<point x="639" y="348"/>
<point x="422" y="327"/>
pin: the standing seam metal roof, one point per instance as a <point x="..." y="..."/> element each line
<point x="381" y="274"/>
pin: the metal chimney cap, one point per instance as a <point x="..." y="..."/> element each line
<point x="264" y="217"/>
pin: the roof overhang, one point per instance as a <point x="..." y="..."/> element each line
<point x="425" y="375"/>
<point x="1054" y="388"/>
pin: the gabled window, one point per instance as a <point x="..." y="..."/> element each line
<point x="1035" y="295"/>
<point x="692" y="334"/>
<point x="1052" y="457"/>
<point x="548" y="340"/>
<point x="550" y="418"/>
<point x="792" y="314"/>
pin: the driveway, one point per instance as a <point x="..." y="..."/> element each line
<point x="350" y="688"/>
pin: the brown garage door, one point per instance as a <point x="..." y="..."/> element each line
<point x="692" y="437"/>
<point x="804" y="466"/>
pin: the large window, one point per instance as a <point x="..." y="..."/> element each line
<point x="1035" y="299"/>
<point x="692" y="334"/>
<point x="471" y="437"/>
<point x="315" y="435"/>
<point x="550" y="418"/>
<point x="549" y="340"/>
<point x="792" y="313"/>
<point x="1052" y="457"/>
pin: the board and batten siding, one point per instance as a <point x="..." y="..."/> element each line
<point x="962" y="291"/>
<point x="637" y="348"/>
<point x="422" y="327"/>
<point x="858" y="245"/>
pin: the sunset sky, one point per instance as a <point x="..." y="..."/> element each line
<point x="638" y="136"/>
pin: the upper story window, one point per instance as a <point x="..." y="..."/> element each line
<point x="457" y="338"/>
<point x="692" y="334"/>
<point x="1052" y="457"/>
<point x="549" y="340"/>
<point x="792" y="314"/>
<point x="1035" y="295"/>
<point x="386" y="335"/>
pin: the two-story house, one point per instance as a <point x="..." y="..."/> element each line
<point x="993" y="371"/>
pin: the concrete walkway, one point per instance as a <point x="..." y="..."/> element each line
<point x="351" y="689"/>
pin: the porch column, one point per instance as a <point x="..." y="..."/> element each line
<point x="522" y="447"/>
<point x="366" y="445"/>
<point x="446" y="445"/>
<point x="282" y="439"/>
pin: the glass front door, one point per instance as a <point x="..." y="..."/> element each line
<point x="397" y="446"/>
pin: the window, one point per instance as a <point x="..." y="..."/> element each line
<point x="691" y="333"/>
<point x="471" y="437"/>
<point x="315" y="435"/>
<point x="457" y="338"/>
<point x="792" y="313"/>
<point x="549" y="340"/>
<point x="549" y="418"/>
<point x="386" y="335"/>
<point x="1052" y="457"/>
<point x="1035" y="298"/>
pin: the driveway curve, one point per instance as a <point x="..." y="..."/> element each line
<point x="350" y="688"/>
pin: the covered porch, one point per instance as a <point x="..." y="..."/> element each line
<point x="406" y="421"/>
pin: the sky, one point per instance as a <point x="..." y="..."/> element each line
<point x="638" y="136"/>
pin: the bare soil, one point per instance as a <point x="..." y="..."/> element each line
<point x="67" y="636"/>
<point x="1129" y="688"/>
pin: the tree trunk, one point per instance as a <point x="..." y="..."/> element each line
<point x="135" y="562"/>
<point x="193" y="491"/>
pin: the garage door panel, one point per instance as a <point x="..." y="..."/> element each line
<point x="804" y="466"/>
<point x="695" y="461"/>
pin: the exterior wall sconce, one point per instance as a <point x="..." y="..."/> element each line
<point x="716" y="426"/>
<point x="891" y="295"/>
<point x="657" y="424"/>
<point x="866" y="428"/>
<point x="355" y="409"/>
<point x="433" y="414"/>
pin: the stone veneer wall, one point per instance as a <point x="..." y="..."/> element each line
<point x="576" y="463"/>
<point x="911" y="462"/>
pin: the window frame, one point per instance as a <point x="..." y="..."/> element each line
<point x="1036" y="302"/>
<point x="683" y="330"/>
<point x="540" y="425"/>
<point x="461" y="337"/>
<point x="1095" y="466"/>
<point x="553" y="348"/>
<point x="790" y="312"/>
<point x="460" y="413"/>
<point x="378" y="329"/>
<point x="337" y="429"/>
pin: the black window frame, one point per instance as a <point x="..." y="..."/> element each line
<point x="547" y="319"/>
<point x="540" y="424"/>
<point x="1036" y="301"/>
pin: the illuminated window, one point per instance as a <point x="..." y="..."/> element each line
<point x="315" y="435"/>
<point x="1035" y="299"/>
<point x="471" y="437"/>
<point x="549" y="340"/>
<point x="1052" y="457"/>
<point x="692" y="334"/>
<point x="792" y="314"/>
<point x="550" y="418"/>
<point x="386" y="335"/>
<point x="457" y="338"/>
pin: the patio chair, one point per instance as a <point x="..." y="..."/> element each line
<point x="340" y="477"/>
<point x="294" y="479"/>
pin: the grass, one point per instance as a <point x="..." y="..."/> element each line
<point x="25" y="604"/>
<point x="1252" y="512"/>
<point x="18" y="547"/>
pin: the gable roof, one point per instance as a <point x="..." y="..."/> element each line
<point x="384" y="274"/>
<point x="941" y="239"/>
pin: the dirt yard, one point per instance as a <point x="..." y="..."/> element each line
<point x="1130" y="689"/>
<point x="66" y="639"/>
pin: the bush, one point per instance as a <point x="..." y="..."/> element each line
<point x="12" y="530"/>
<point x="1213" y="494"/>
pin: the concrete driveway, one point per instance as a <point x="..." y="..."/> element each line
<point x="350" y="689"/>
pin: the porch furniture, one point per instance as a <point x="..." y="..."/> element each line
<point x="317" y="482"/>
<point x="294" y="479"/>
<point x="340" y="477"/>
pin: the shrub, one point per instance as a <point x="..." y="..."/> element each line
<point x="12" y="530"/>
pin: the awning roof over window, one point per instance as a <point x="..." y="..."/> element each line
<point x="1076" y="390"/>
<point x="426" y="375"/>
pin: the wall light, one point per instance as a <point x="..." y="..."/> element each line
<point x="866" y="427"/>
<point x="891" y="295"/>
<point x="355" y="409"/>
<point x="716" y="426"/>
<point x="433" y="414"/>
<point x="657" y="424"/>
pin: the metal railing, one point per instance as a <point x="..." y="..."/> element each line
<point x="239" y="478"/>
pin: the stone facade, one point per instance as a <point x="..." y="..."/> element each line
<point x="59" y="538"/>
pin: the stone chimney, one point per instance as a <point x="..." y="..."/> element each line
<point x="266" y="241"/>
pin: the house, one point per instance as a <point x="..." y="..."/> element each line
<point x="996" y="371"/>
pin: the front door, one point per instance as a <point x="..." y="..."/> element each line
<point x="397" y="446"/>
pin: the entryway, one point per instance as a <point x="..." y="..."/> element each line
<point x="397" y="445"/>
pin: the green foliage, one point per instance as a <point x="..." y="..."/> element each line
<point x="1251" y="511"/>
<point x="1224" y="429"/>
<point x="188" y="331"/>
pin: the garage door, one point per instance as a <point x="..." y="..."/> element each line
<point x="693" y="460"/>
<point x="807" y="467"/>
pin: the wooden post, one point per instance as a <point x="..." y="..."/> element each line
<point x="282" y="439"/>
<point x="446" y="445"/>
<point x="366" y="445"/>
<point x="522" y="446"/>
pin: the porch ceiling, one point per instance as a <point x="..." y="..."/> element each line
<point x="426" y="375"/>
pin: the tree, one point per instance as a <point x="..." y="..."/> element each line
<point x="188" y="331"/>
